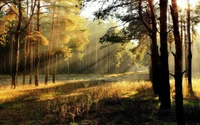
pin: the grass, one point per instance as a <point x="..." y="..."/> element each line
<point x="117" y="99"/>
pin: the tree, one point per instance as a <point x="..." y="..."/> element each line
<point x="72" y="34"/>
<point x="15" y="59"/>
<point x="155" y="59"/>
<point x="164" y="86"/>
<point x="37" y="45"/>
<point x="17" y="8"/>
<point x="49" y="47"/>
<point x="178" y="65"/>
<point x="189" y="46"/>
<point x="147" y="15"/>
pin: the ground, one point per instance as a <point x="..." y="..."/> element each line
<point x="114" y="99"/>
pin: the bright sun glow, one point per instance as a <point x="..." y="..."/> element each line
<point x="183" y="3"/>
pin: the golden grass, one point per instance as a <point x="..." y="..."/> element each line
<point x="106" y="90"/>
<point x="7" y="93"/>
<point x="186" y="94"/>
<point x="68" y="95"/>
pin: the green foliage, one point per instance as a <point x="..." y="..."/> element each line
<point x="68" y="32"/>
<point x="140" y="56"/>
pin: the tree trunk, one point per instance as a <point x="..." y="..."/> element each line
<point x="47" y="65"/>
<point x="186" y="50"/>
<point x="31" y="61"/>
<point x="189" y="47"/>
<point x="155" y="59"/>
<point x="25" y="52"/>
<point x="164" y="86"/>
<point x="49" y="48"/>
<point x="25" y="59"/>
<point x="155" y="56"/>
<point x="31" y="47"/>
<point x="54" y="68"/>
<point x="15" y="59"/>
<point x="178" y="66"/>
<point x="37" y="46"/>
<point x="55" y="56"/>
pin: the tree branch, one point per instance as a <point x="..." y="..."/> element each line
<point x="11" y="8"/>
<point x="32" y="13"/>
<point x="172" y="75"/>
<point x="142" y="18"/>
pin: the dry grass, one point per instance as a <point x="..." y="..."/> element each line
<point x="73" y="99"/>
<point x="186" y="94"/>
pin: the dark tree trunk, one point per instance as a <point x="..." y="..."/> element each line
<point x="189" y="47"/>
<point x="47" y="65"/>
<point x="164" y="85"/>
<point x="186" y="50"/>
<point x="25" y="61"/>
<point x="25" y="49"/>
<point x="15" y="59"/>
<point x="55" y="56"/>
<point x="54" y="68"/>
<point x="155" y="56"/>
<point x="178" y="66"/>
<point x="37" y="46"/>
<point x="155" y="59"/>
<point x="30" y="61"/>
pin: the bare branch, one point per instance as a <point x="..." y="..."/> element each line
<point x="183" y="72"/>
<point x="142" y="18"/>
<point x="4" y="4"/>
<point x="173" y="54"/>
<point x="172" y="75"/>
<point x="149" y="54"/>
<point x="11" y="8"/>
<point x="32" y="13"/>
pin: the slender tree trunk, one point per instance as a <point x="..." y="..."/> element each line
<point x="30" y="61"/>
<point x="15" y="59"/>
<point x="25" y="54"/>
<point x="189" y="47"/>
<point x="155" y="56"/>
<point x="31" y="48"/>
<point x="25" y="59"/>
<point x="54" y="68"/>
<point x="47" y="65"/>
<point x="178" y="66"/>
<point x="186" y="50"/>
<point x="49" y="49"/>
<point x="164" y="86"/>
<point x="37" y="45"/>
<point x="55" y="56"/>
<point x="155" y="59"/>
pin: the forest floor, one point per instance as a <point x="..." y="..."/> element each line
<point x="112" y="99"/>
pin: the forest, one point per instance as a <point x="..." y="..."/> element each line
<point x="99" y="62"/>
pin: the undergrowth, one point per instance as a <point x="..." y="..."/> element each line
<point x="92" y="102"/>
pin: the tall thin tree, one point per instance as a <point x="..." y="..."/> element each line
<point x="50" y="45"/>
<point x="189" y="46"/>
<point x="178" y="65"/>
<point x="155" y="59"/>
<point x="15" y="57"/>
<point x="37" y="45"/>
<point x="164" y="86"/>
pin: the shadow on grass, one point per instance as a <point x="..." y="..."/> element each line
<point x="77" y="103"/>
<point x="138" y="109"/>
<point x="36" y="105"/>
